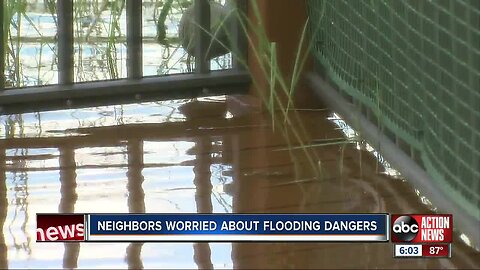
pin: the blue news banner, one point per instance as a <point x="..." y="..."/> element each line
<point x="237" y="227"/>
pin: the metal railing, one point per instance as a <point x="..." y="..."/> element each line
<point x="136" y="87"/>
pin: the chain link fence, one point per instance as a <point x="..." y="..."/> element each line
<point x="415" y="66"/>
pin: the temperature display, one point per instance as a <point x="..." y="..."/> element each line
<point x="438" y="250"/>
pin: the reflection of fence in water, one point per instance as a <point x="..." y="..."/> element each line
<point x="20" y="162"/>
<point x="67" y="165"/>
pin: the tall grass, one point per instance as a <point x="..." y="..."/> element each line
<point x="97" y="32"/>
<point x="278" y="95"/>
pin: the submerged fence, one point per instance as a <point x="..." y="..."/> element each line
<point x="414" y="68"/>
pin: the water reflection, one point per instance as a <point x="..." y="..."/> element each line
<point x="203" y="194"/>
<point x="187" y="156"/>
<point x="3" y="211"/>
<point x="68" y="180"/>
<point x="202" y="181"/>
<point x="136" y="197"/>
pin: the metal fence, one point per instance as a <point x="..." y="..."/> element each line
<point x="135" y="87"/>
<point x="413" y="69"/>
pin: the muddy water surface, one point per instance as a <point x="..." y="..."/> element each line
<point x="207" y="155"/>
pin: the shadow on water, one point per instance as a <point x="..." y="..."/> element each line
<point x="208" y="156"/>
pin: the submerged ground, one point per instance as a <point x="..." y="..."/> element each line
<point x="206" y="155"/>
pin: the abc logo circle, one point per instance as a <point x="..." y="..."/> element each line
<point x="405" y="228"/>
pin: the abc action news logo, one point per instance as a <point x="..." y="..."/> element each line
<point x="69" y="227"/>
<point x="422" y="228"/>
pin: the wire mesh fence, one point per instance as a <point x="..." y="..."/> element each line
<point x="415" y="65"/>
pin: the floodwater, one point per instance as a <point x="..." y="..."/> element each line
<point x="209" y="155"/>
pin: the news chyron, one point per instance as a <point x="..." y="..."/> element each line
<point x="226" y="227"/>
<point x="429" y="233"/>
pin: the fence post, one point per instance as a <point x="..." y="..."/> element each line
<point x="283" y="22"/>
<point x="134" y="39"/>
<point x="202" y="17"/>
<point x="65" y="41"/>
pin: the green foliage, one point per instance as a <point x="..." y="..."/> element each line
<point x="284" y="117"/>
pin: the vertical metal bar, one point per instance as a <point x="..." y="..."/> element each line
<point x="65" y="41"/>
<point x="2" y="48"/>
<point x="202" y="37"/>
<point x="134" y="39"/>
<point x="239" y="43"/>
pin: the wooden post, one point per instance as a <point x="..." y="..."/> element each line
<point x="283" y="21"/>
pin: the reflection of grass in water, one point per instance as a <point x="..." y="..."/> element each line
<point x="361" y="144"/>
<point x="15" y="128"/>
<point x="24" y="208"/>
<point x="217" y="176"/>
<point x="20" y="200"/>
